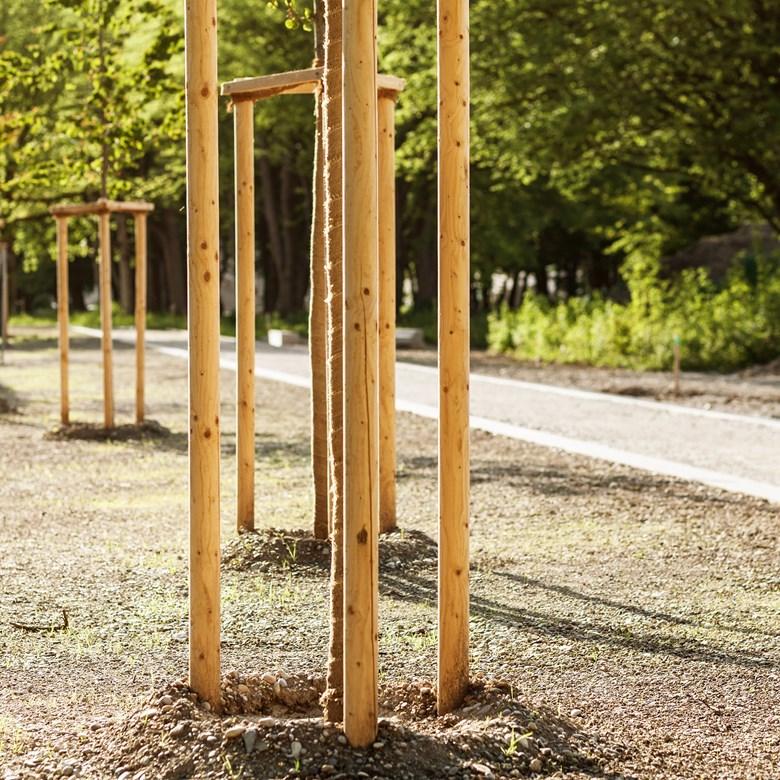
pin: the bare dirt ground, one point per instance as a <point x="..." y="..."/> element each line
<point x="623" y="625"/>
<point x="752" y="391"/>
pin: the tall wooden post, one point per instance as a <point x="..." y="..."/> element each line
<point x="63" y="314"/>
<point x="4" y="299"/>
<point x="105" y="317"/>
<point x="243" y="116"/>
<point x="203" y="307"/>
<point x="453" y="121"/>
<point x="387" y="457"/>
<point x="140" y="314"/>
<point x="361" y="400"/>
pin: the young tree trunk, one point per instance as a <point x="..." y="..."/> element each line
<point x="287" y="302"/>
<point x="125" y="277"/>
<point x="331" y="106"/>
<point x="272" y="226"/>
<point x="174" y="259"/>
<point x="317" y="307"/>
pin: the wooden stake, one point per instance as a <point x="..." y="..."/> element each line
<point x="203" y="276"/>
<point x="4" y="299"/>
<point x="140" y="314"/>
<point x="244" y="133"/>
<point x="361" y="433"/>
<point x="62" y="314"/>
<point x="453" y="120"/>
<point x="387" y="457"/>
<point x="105" y="318"/>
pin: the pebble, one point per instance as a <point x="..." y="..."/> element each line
<point x="327" y="769"/>
<point x="165" y="700"/>
<point x="262" y="746"/>
<point x="269" y="678"/>
<point x="535" y="765"/>
<point x="483" y="770"/>
<point x="178" y="730"/>
<point x="341" y="739"/>
<point x="234" y="732"/>
<point x="125" y="776"/>
<point x="295" y="749"/>
<point x="575" y="713"/>
<point x="250" y="737"/>
<point x="378" y="745"/>
<point x="148" y="713"/>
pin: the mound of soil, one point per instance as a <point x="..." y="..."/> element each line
<point x="275" y="549"/>
<point x="174" y="735"/>
<point x="149" y="429"/>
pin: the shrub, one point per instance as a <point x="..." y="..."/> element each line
<point x="722" y="329"/>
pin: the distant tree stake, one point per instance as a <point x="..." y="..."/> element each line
<point x="140" y="314"/>
<point x="103" y="208"/>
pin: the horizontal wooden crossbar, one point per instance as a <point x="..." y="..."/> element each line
<point x="101" y="206"/>
<point x="295" y="82"/>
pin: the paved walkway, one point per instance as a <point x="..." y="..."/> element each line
<point x="740" y="453"/>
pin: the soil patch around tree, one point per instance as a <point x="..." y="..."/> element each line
<point x="148" y="429"/>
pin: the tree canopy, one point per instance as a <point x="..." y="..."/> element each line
<point x="599" y="126"/>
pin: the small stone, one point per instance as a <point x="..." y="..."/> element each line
<point x="243" y="689"/>
<point x="536" y="765"/>
<point x="121" y="770"/>
<point x="327" y="769"/>
<point x="66" y="771"/>
<point x="342" y="740"/>
<point x="269" y="678"/>
<point x="250" y="737"/>
<point x="178" y="730"/>
<point x="125" y="776"/>
<point x="282" y="682"/>
<point x="483" y="770"/>
<point x="148" y="713"/>
<point x="295" y="749"/>
<point x="165" y="700"/>
<point x="575" y="713"/>
<point x="262" y="746"/>
<point x="378" y="745"/>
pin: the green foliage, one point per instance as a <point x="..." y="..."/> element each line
<point x="721" y="329"/>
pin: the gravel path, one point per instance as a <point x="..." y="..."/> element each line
<point x="636" y="615"/>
